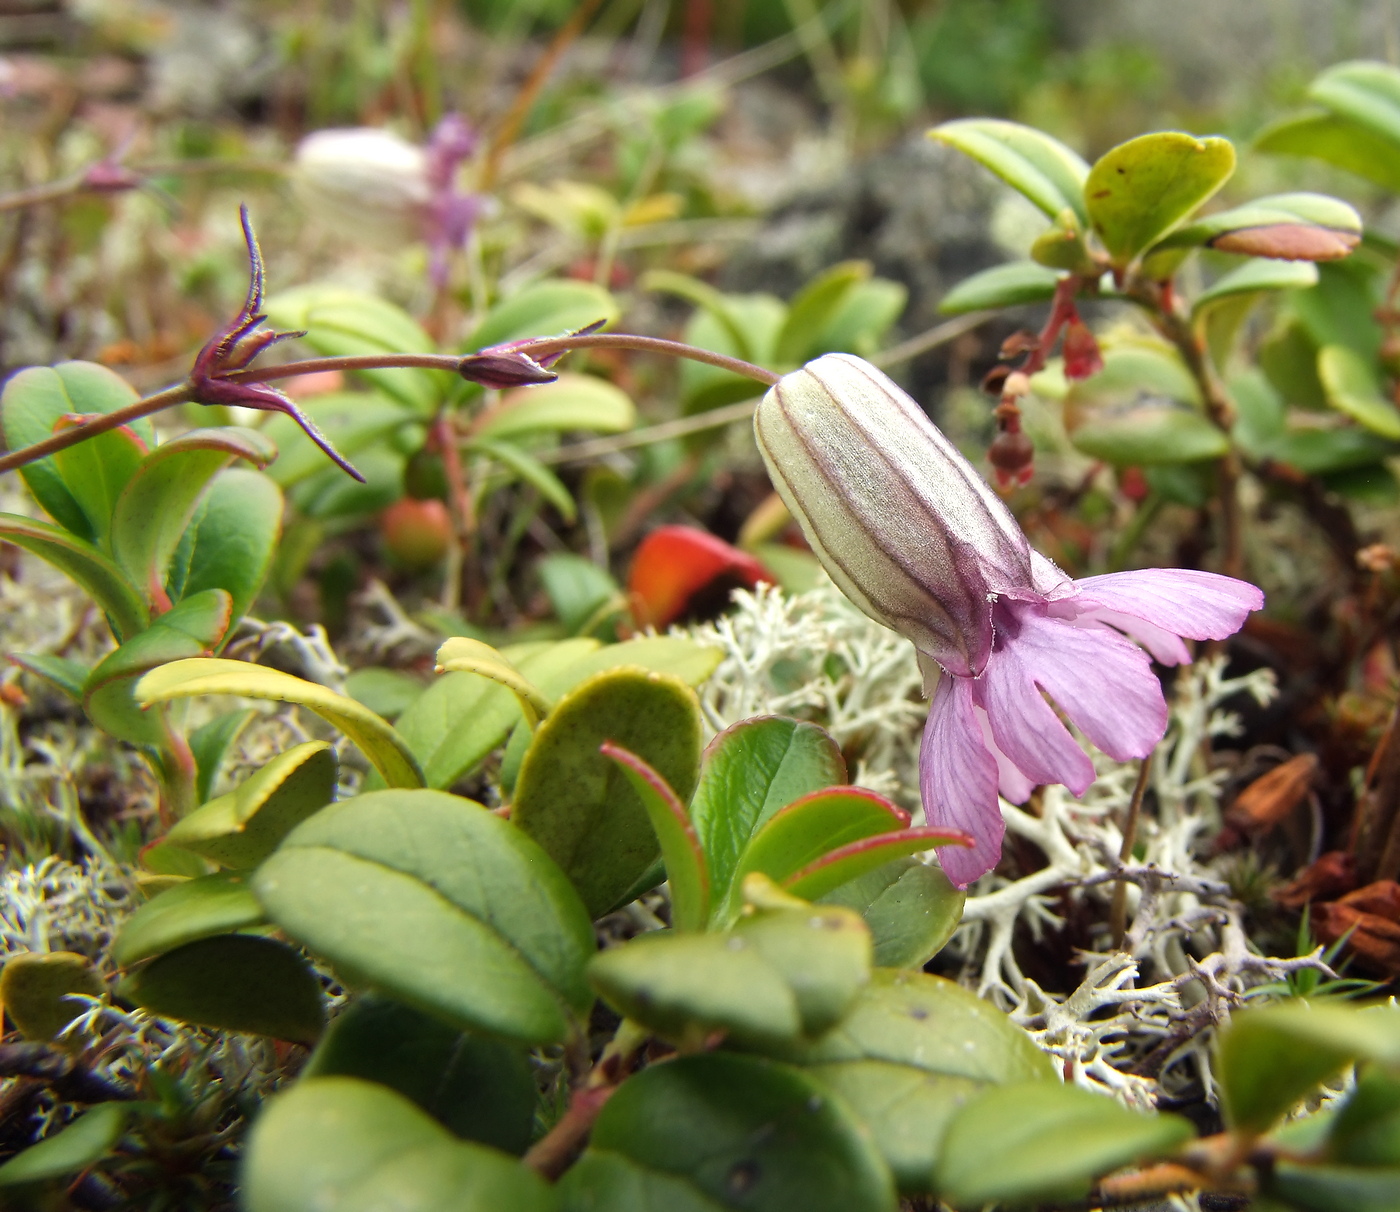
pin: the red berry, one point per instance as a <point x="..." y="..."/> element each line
<point x="416" y="533"/>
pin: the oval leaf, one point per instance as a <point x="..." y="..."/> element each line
<point x="1001" y="286"/>
<point x="1336" y="141"/>
<point x="910" y="907"/>
<point x="235" y="537"/>
<point x="79" y="1145"/>
<point x="1041" y="168"/>
<point x="191" y="910"/>
<point x="375" y="737"/>
<point x="572" y="402"/>
<point x="545" y="309"/>
<point x="1352" y="388"/>
<point x="35" y="988"/>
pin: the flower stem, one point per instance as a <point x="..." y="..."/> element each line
<point x="179" y="394"/>
<point x="1118" y="910"/>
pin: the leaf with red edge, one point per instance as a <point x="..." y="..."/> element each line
<point x="848" y="862"/>
<point x="680" y="845"/>
<point x="675" y="564"/>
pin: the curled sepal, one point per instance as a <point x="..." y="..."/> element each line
<point x="234" y="346"/>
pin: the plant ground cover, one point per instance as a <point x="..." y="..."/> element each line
<point x="510" y="704"/>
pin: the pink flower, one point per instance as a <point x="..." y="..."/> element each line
<point x="916" y="538"/>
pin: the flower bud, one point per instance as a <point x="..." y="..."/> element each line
<point x="903" y="523"/>
<point x="365" y="183"/>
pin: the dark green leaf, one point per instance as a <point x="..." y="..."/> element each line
<point x="339" y="1144"/>
<point x="524" y="466"/>
<point x="1041" y="1142"/>
<point x="1153" y="433"/>
<point x="479" y="1089"/>
<point x="96" y="470"/>
<point x="1001" y="286"/>
<point x="210" y="743"/>
<point x="1307" y="1188"/>
<point x="758" y="318"/>
<point x="576" y="586"/>
<point x="1255" y="275"/>
<point x="1366" y="1130"/>
<point x="233" y="982"/>
<point x="440" y="904"/>
<point x="191" y="910"/>
<point x="352" y="421"/>
<point x="578" y="805"/>
<point x="81" y="1144"/>
<point x="738" y="1133"/>
<point x="813" y="308"/>
<point x="910" y="907"/>
<point x="1041" y="168"/>
<point x="239" y="524"/>
<point x="1340" y="309"/>
<point x="386" y="692"/>
<point x="35" y="988"/>
<point x="60" y="672"/>
<point x="860" y="323"/>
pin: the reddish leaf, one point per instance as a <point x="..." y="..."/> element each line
<point x="1273" y="796"/>
<point x="676" y="564"/>
<point x="1288" y="242"/>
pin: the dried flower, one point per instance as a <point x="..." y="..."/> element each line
<point x="914" y="536"/>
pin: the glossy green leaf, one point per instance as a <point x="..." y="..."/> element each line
<point x="1137" y="192"/>
<point x="815" y="824"/>
<point x="855" y="859"/>
<point x="96" y="470"/>
<point x="189" y="630"/>
<point x="524" y="466"/>
<point x="339" y="1144"/>
<point x="1001" y="286"/>
<point x="233" y="982"/>
<point x="910" y="907"/>
<point x="1041" y="168"/>
<point x="236" y="537"/>
<point x="479" y="1089"/>
<point x="1255" y="275"/>
<point x="80" y="560"/>
<point x="441" y="905"/>
<point x="461" y="654"/>
<point x="341" y="322"/>
<point x="546" y="308"/>
<point x="243" y="827"/>
<point x="1336" y="141"/>
<point x="1310" y="1188"/>
<point x="191" y="910"/>
<point x="375" y="737"/>
<point x="750" y="771"/>
<point x="352" y="421"/>
<point x="572" y="402"/>
<point x="331" y="495"/>
<point x="1270" y="1059"/>
<point x="1365" y="92"/>
<point x="60" y="672"/>
<point x="386" y="692"/>
<point x="680" y="847"/>
<point x="35" y="988"/>
<point x="814" y="308"/>
<point x="210" y="744"/>
<point x="728" y="1132"/>
<point x="1353" y="388"/>
<point x="578" y="805"/>
<point x="1040" y="1142"/>
<point x="74" y="1147"/>
<point x="35" y="400"/>
<point x="158" y="502"/>
<point x="578" y="588"/>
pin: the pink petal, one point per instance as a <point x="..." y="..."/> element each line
<point x="958" y="778"/>
<point x="1198" y="605"/>
<point x="1164" y="646"/>
<point x="1101" y="681"/>
<point x="1024" y="725"/>
<point x="1012" y="784"/>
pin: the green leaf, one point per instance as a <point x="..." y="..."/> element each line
<point x="35" y="400"/>
<point x="1262" y="413"/>
<point x="35" y="988"/>
<point x="236" y="538"/>
<point x="1160" y="433"/>
<point x="578" y="589"/>
<point x="724" y="311"/>
<point x="92" y="570"/>
<point x="60" y="672"/>
<point x="544" y="309"/>
<point x="339" y="1144"/>
<point x="341" y="323"/>
<point x="864" y="317"/>
<point x="855" y="859"/>
<point x="1270" y="1059"/>
<point x="352" y="421"/>
<point x="751" y="770"/>
<point x="375" y="737"/>
<point x="1353" y="388"/>
<point x="462" y="654"/>
<point x="524" y="466"/>
<point x="912" y="1049"/>
<point x="441" y="905"/>
<point x="1001" y="286"/>
<point x="233" y="982"/>
<point x="77" y="1146"/>
<point x="186" y="631"/>
<point x="1309" y="227"/>
<point x="578" y="805"/>
<point x="1336" y="141"/>
<point x="1254" y="275"/>
<point x="680" y="847"/>
<point x="191" y="910"/>
<point x="1137" y="192"/>
<point x="1311" y="1188"/>
<point x="758" y="319"/>
<point x="1040" y="1142"/>
<point x="717" y="1132"/>
<point x="814" y="308"/>
<point x="1366" y="1130"/>
<point x="910" y="907"/>
<point x="1365" y="92"/>
<point x="96" y="470"/>
<point x="242" y="828"/>
<point x="210" y="743"/>
<point x="386" y="692"/>
<point x="159" y="501"/>
<point x="1326" y="451"/>
<point x="572" y="402"/>
<point x="1340" y="309"/>
<point x="1041" y="168"/>
<point x="479" y="1089"/>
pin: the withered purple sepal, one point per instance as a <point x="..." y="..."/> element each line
<point x="507" y="365"/>
<point x="233" y="347"/>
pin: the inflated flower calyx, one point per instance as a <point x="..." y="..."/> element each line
<point x="918" y="540"/>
